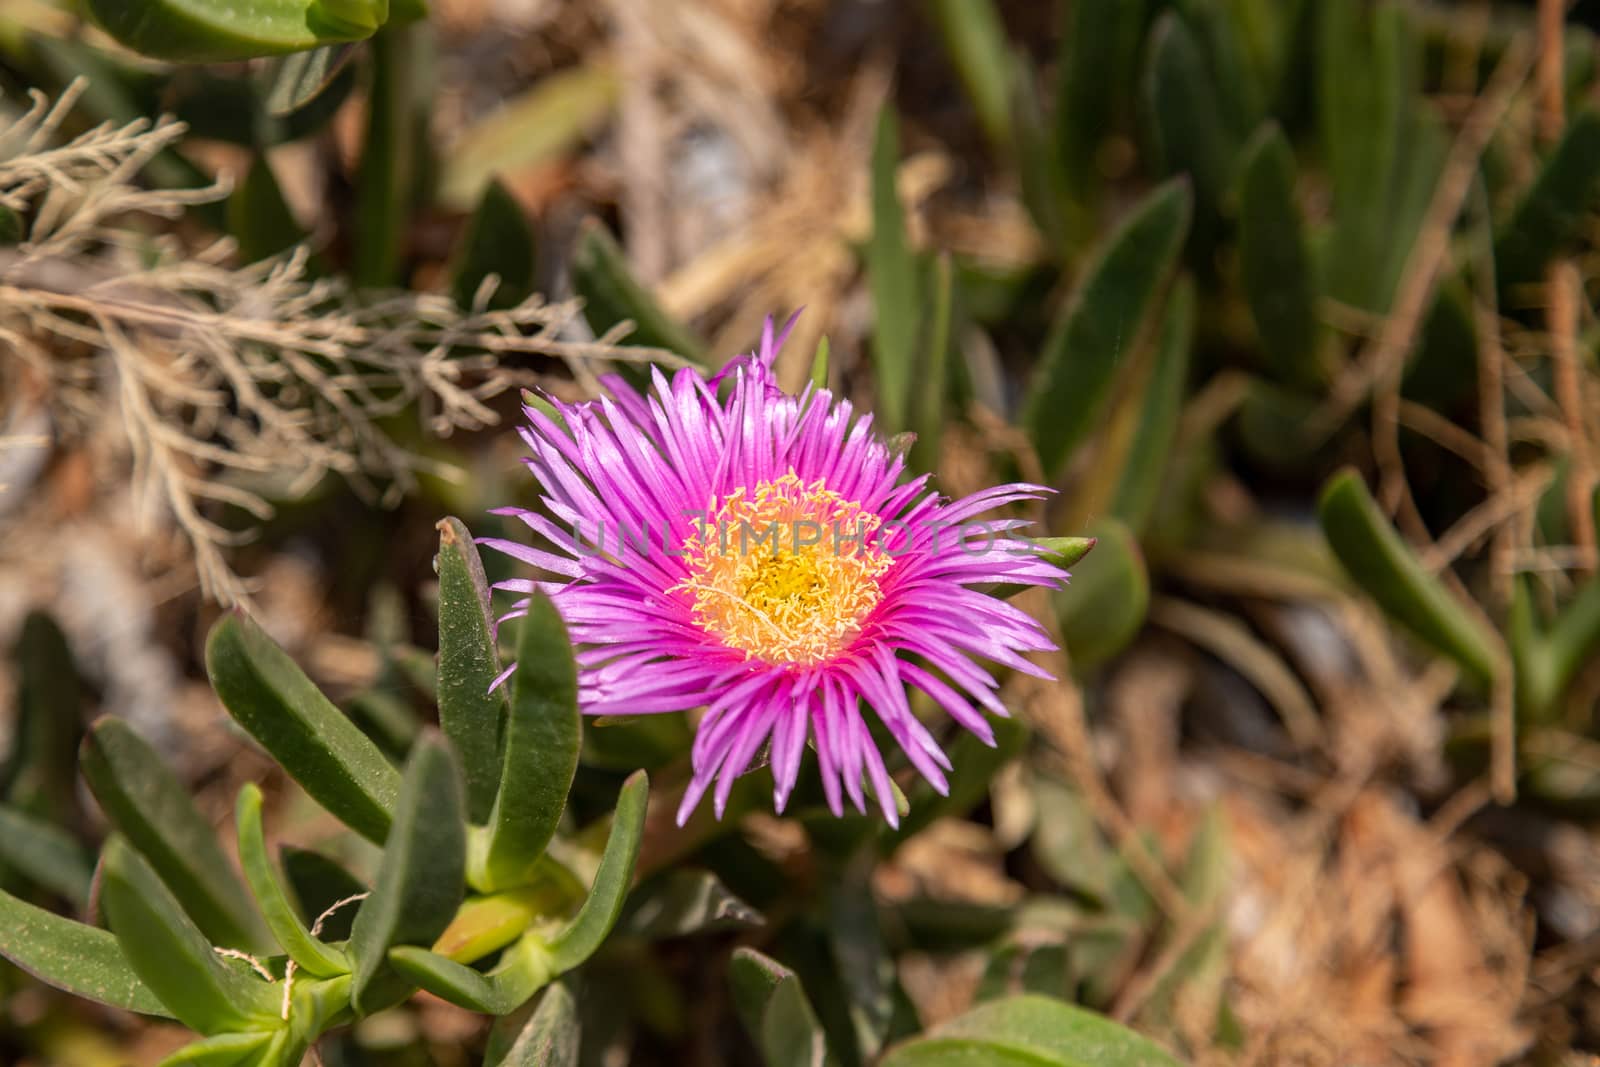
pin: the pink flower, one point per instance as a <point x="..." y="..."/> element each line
<point x="764" y="556"/>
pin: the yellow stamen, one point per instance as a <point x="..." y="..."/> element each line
<point x="784" y="572"/>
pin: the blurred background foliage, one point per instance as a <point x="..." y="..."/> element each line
<point x="1292" y="300"/>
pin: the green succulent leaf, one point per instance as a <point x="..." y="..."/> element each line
<point x="82" y="960"/>
<point x="470" y="715"/>
<point x="611" y="294"/>
<point x="1552" y="213"/>
<point x="318" y="959"/>
<point x="1547" y="661"/>
<point x="819" y="363"/>
<point x="1104" y="606"/>
<point x="295" y="81"/>
<point x="583" y="934"/>
<point x="318" y="884"/>
<point x="1030" y="1031"/>
<point x="892" y="275"/>
<point x="1365" y="122"/>
<point x="1181" y="101"/>
<point x="975" y="38"/>
<point x="206" y="31"/>
<point x="1064" y="552"/>
<point x="536" y="127"/>
<point x="1145" y="466"/>
<point x="1101" y="323"/>
<point x="679" y="902"/>
<point x="224" y="1050"/>
<point x="314" y="741"/>
<point x="44" y="853"/>
<point x="776" y="1012"/>
<point x="523" y="969"/>
<point x="259" y="217"/>
<point x="1275" y="259"/>
<point x="41" y="775"/>
<point x="497" y="240"/>
<point x="172" y="957"/>
<point x="1044" y="189"/>
<point x="1099" y="57"/>
<point x="391" y="155"/>
<point x="548" y="1039"/>
<point x="1386" y="569"/>
<point x="421" y="881"/>
<point x="1575" y="636"/>
<point x="152" y="809"/>
<point x="543" y="736"/>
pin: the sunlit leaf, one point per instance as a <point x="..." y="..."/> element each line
<point x="543" y="735"/>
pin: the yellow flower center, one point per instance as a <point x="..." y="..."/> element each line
<point x="783" y="572"/>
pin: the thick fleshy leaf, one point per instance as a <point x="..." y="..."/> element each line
<point x="319" y="883"/>
<point x="1198" y="972"/>
<point x="611" y="293"/>
<point x="295" y="81"/>
<point x="1160" y="404"/>
<point x="1275" y="264"/>
<point x="1181" y="102"/>
<point x="1547" y="661"/>
<point x="487" y="924"/>
<point x="172" y="956"/>
<point x="1363" y="123"/>
<point x="1100" y="48"/>
<point x="224" y="1050"/>
<point x="1101" y="323"/>
<point x="523" y="970"/>
<point x="858" y="951"/>
<point x="1044" y="190"/>
<point x="259" y="217"/>
<point x="323" y="961"/>
<point x="1552" y="213"/>
<point x="1066" y="843"/>
<point x="41" y="775"/>
<point x="1030" y="1031"/>
<point x="205" y="31"/>
<point x="391" y="156"/>
<point x="469" y="663"/>
<point x="1064" y="552"/>
<point x="314" y="741"/>
<point x="531" y="129"/>
<point x="550" y="1038"/>
<point x="497" y="240"/>
<point x="1388" y="571"/>
<point x="152" y="809"/>
<point x="1276" y="425"/>
<point x="82" y="960"/>
<point x="819" y="363"/>
<point x="975" y="39"/>
<point x="775" y="1011"/>
<point x="583" y="934"/>
<point x="421" y="881"/>
<point x="892" y="277"/>
<point x="684" y="901"/>
<point x="45" y="854"/>
<point x="1105" y="604"/>
<point x="543" y="736"/>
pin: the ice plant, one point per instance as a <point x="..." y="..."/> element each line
<point x="765" y="556"/>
